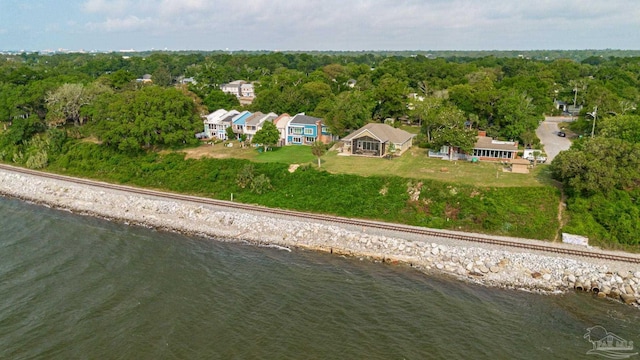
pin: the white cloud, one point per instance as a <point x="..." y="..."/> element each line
<point x="407" y="23"/>
<point x="128" y="23"/>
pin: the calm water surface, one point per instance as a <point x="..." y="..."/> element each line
<point x="74" y="287"/>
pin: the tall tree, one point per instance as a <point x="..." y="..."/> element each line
<point x="66" y="102"/>
<point x="515" y="115"/>
<point x="147" y="117"/>
<point x="623" y="127"/>
<point x="267" y="136"/>
<point x="599" y="165"/>
<point x="448" y="128"/>
<point x="350" y="110"/>
<point x="390" y="95"/>
<point x="425" y="112"/>
<point x="162" y="76"/>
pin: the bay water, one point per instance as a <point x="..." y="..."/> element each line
<point x="77" y="287"/>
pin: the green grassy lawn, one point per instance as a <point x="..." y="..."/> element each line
<point x="285" y="154"/>
<point x="412" y="164"/>
<point x="417" y="165"/>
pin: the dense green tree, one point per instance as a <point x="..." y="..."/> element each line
<point x="450" y="129"/>
<point x="66" y="102"/>
<point x="217" y="99"/>
<point x="425" y="112"/>
<point x="390" y="96"/>
<point x="9" y="102"/>
<point x="515" y="115"/>
<point x="350" y="110"/>
<point x="22" y="130"/>
<point x="267" y="136"/>
<point x="230" y="134"/>
<point x="599" y="165"/>
<point x="162" y="76"/>
<point x="147" y="117"/>
<point x="119" y="79"/>
<point x="623" y="127"/>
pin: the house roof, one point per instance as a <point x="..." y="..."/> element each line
<point x="229" y="117"/>
<point x="282" y="121"/>
<point x="271" y="117"/>
<point x="485" y="142"/>
<point x="304" y="119"/>
<point x="215" y="115"/>
<point x="240" y="118"/>
<point x="254" y="118"/>
<point x="235" y="83"/>
<point x="383" y="132"/>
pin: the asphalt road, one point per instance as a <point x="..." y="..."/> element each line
<point x="548" y="134"/>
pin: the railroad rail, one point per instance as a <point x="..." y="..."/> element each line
<point x="336" y="219"/>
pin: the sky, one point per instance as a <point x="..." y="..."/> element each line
<point x="305" y="25"/>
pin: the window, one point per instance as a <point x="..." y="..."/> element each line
<point x="296" y="140"/>
<point x="310" y="139"/>
<point x="295" y="130"/>
<point x="308" y="131"/>
<point x="325" y="130"/>
<point x="368" y="145"/>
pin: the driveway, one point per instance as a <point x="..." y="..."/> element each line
<point x="548" y="134"/>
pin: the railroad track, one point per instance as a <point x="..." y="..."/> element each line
<point x="335" y="219"/>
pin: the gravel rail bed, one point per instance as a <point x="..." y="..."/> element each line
<point x="484" y="264"/>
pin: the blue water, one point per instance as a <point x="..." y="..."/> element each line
<point x="75" y="287"/>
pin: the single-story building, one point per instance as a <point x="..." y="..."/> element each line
<point x="491" y="150"/>
<point x="377" y="140"/>
<point x="485" y="148"/>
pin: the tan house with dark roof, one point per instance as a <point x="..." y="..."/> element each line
<point x="377" y="140"/>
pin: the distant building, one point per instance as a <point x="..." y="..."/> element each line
<point x="241" y="89"/>
<point x="567" y="109"/>
<point x="145" y="79"/>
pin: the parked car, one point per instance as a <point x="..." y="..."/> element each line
<point x="561" y="134"/>
<point x="537" y="155"/>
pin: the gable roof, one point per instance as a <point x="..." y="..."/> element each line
<point x="271" y="117"/>
<point x="282" y="120"/>
<point x="383" y="132"/>
<point x="304" y="119"/>
<point x="254" y="118"/>
<point x="215" y="115"/>
<point x="240" y="118"/>
<point x="229" y="116"/>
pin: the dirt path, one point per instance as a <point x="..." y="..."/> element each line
<point x="562" y="221"/>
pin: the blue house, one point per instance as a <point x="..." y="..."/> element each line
<point x="239" y="122"/>
<point x="305" y="130"/>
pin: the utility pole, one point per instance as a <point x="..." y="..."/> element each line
<point x="594" y="114"/>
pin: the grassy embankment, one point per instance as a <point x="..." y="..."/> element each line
<point x="411" y="189"/>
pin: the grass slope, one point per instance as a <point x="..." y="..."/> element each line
<point x="387" y="194"/>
